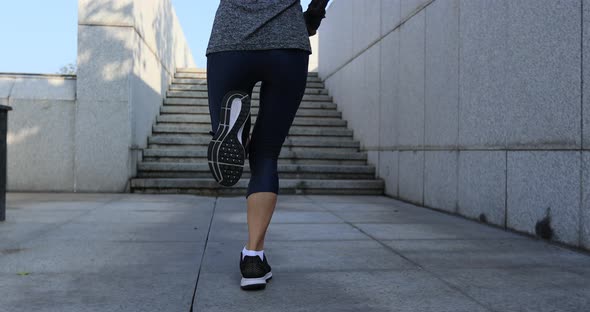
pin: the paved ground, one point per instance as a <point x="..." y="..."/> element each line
<point x="129" y="252"/>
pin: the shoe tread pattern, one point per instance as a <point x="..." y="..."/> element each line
<point x="226" y="155"/>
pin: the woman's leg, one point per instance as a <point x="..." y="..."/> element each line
<point x="283" y="86"/>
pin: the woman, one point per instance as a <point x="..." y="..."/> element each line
<point x="252" y="41"/>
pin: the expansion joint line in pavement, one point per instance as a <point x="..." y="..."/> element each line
<point x="203" y="255"/>
<point x="404" y="257"/>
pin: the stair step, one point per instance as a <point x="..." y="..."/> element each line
<point x="169" y="109"/>
<point x="297" y="121"/>
<point x="319" y="156"/>
<point x="295" y="130"/>
<point x="203" y="88"/>
<point x="188" y="75"/>
<point x="289" y="141"/>
<point x="292" y="161"/>
<point x="201" y="170"/>
<point x="256" y="96"/>
<point x="308" y="157"/>
<point x="210" y="187"/>
<point x="204" y="82"/>
<point x="205" y="102"/>
<point x="285" y="154"/>
<point x="203" y="70"/>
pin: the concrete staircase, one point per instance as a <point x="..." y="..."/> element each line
<point x="318" y="157"/>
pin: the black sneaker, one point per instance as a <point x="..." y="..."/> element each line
<point x="226" y="153"/>
<point x="255" y="272"/>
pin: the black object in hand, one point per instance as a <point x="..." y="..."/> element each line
<point x="316" y="11"/>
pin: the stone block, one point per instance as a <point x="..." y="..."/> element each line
<point x="542" y="75"/>
<point x="44" y="88"/>
<point x="79" y="291"/>
<point x="586" y="73"/>
<point x="336" y="45"/>
<point x="148" y="85"/>
<point x="479" y="254"/>
<point x="531" y="287"/>
<point x="40" y="139"/>
<point x="409" y="7"/>
<point x="457" y="229"/>
<point x="411" y="101"/>
<point x="106" y="12"/>
<point x="482" y="186"/>
<point x="334" y="291"/>
<point x="373" y="159"/>
<point x="367" y="24"/>
<point x="6" y="84"/>
<point x="544" y="194"/>
<point x="105" y="61"/>
<point x="55" y="257"/>
<point x="133" y="231"/>
<point x="440" y="180"/>
<point x="519" y="64"/>
<point x="411" y="176"/>
<point x="482" y="78"/>
<point x="160" y="29"/>
<point x="363" y="103"/>
<point x="103" y="138"/>
<point x="390" y="15"/>
<point x="388" y="171"/>
<point x="390" y="90"/>
<point x="442" y="74"/>
<point x="585" y="211"/>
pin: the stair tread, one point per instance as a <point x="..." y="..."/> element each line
<point x="204" y="165"/>
<point x="329" y="183"/>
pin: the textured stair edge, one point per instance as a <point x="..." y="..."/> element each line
<point x="204" y="71"/>
<point x="287" y="168"/>
<point x="205" y="103"/>
<point x="203" y="82"/>
<point x="255" y="90"/>
<point x="243" y="183"/>
<point x="294" y="131"/>
<point x="298" y="121"/>
<point x="233" y="192"/>
<point x="186" y="75"/>
<point x="285" y="154"/>
<point x="285" y="161"/>
<point x="303" y="112"/>
<point x="289" y="142"/>
<point x="254" y="102"/>
<point x="255" y="96"/>
<point x="247" y="175"/>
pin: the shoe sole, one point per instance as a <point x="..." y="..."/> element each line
<point x="226" y="154"/>
<point x="255" y="283"/>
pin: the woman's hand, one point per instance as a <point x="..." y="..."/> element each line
<point x="316" y="11"/>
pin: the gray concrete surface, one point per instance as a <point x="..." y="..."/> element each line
<point x="127" y="252"/>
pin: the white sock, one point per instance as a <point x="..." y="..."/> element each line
<point x="246" y="252"/>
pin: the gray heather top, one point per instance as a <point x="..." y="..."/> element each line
<point x="258" y="25"/>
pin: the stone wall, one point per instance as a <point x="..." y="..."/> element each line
<point x="92" y="126"/>
<point x="40" y="139"/>
<point x="128" y="51"/>
<point x="474" y="107"/>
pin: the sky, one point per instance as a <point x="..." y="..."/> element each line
<point x="40" y="36"/>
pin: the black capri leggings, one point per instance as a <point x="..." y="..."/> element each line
<point x="283" y="73"/>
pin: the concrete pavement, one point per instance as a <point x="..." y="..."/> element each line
<point x="130" y="252"/>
